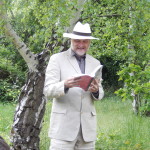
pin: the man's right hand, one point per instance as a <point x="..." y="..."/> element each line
<point x="72" y="82"/>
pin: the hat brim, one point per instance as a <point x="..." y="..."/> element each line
<point x="74" y="36"/>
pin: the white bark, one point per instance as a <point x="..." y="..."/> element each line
<point x="76" y="15"/>
<point x="136" y="101"/>
<point x="74" y="19"/>
<point x="22" y="48"/>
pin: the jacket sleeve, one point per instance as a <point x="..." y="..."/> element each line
<point x="101" y="93"/>
<point x="54" y="87"/>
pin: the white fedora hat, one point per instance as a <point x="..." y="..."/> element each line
<point x="80" y="31"/>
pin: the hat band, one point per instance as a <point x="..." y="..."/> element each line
<point x="82" y="34"/>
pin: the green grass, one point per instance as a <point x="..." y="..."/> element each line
<point x="118" y="127"/>
<point x="44" y="139"/>
<point x="6" y="119"/>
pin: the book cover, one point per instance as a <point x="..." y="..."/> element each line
<point x="85" y="80"/>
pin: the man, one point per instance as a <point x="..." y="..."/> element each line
<point x="73" y="115"/>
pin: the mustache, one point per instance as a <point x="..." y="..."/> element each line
<point x="80" y="47"/>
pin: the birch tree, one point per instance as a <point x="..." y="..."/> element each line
<point x="136" y="75"/>
<point x="124" y="31"/>
<point x="30" y="110"/>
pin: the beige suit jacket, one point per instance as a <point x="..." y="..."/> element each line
<point x="74" y="108"/>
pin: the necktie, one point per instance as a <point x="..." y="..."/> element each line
<point x="81" y="62"/>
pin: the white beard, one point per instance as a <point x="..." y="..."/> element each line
<point x="80" y="53"/>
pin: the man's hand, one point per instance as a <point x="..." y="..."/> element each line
<point x="94" y="87"/>
<point x="72" y="82"/>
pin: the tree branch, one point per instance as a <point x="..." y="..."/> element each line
<point x="24" y="51"/>
<point x="76" y="15"/>
<point x="73" y="21"/>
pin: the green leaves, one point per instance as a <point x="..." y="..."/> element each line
<point x="136" y="81"/>
<point x="122" y="27"/>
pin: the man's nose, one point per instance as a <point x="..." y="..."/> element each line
<point x="81" y="44"/>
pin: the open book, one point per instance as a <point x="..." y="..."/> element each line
<point x="85" y="80"/>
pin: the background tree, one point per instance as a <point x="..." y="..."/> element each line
<point x="136" y="71"/>
<point x="123" y="29"/>
<point x="29" y="113"/>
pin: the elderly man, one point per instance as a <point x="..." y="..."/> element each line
<point x="73" y="115"/>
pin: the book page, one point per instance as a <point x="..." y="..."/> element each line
<point x="97" y="73"/>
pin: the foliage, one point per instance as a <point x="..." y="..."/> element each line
<point x="39" y="22"/>
<point x="121" y="26"/>
<point x="11" y="74"/>
<point x="109" y="75"/>
<point x="8" y="91"/>
<point x="123" y="30"/>
<point x="40" y="26"/>
<point x="136" y="72"/>
<point x="108" y="21"/>
<point x="136" y="81"/>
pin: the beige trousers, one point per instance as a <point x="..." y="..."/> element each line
<point x="77" y="144"/>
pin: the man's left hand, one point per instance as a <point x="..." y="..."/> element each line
<point x="94" y="87"/>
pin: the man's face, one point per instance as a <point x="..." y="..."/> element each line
<point x="80" y="46"/>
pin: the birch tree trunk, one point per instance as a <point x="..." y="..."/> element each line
<point x="30" y="110"/>
<point x="136" y="99"/>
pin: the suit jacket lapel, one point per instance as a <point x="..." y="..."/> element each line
<point x="88" y="66"/>
<point x="72" y="60"/>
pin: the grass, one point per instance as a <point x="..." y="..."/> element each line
<point x="6" y="119"/>
<point x="118" y="127"/>
<point x="44" y="139"/>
